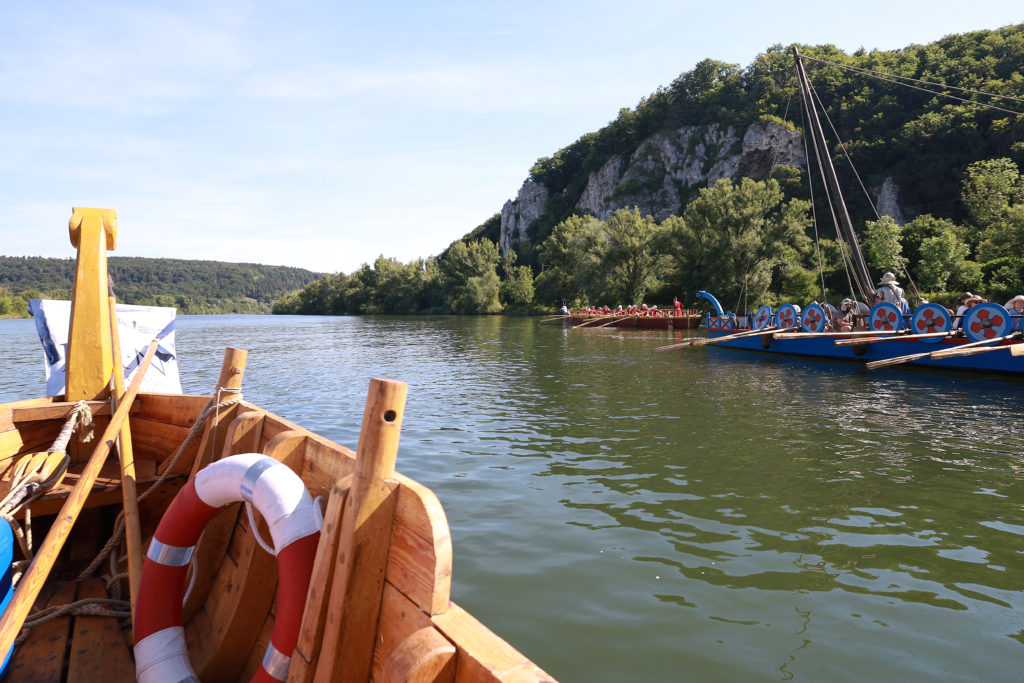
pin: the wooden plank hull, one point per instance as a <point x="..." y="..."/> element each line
<point x="414" y="631"/>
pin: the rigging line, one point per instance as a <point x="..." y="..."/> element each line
<point x="851" y="273"/>
<point x="814" y="213"/>
<point x="892" y="78"/>
<point x="849" y="160"/>
<point x="862" y="277"/>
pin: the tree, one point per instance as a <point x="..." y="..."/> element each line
<point x="518" y="288"/>
<point x="941" y="257"/>
<point x="634" y="254"/>
<point x="881" y="245"/>
<point x="470" y="279"/>
<point x="991" y="187"/>
<point x="732" y="238"/>
<point x="573" y="258"/>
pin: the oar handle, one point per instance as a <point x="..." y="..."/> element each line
<point x="32" y="582"/>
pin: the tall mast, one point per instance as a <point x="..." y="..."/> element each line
<point x="860" y="268"/>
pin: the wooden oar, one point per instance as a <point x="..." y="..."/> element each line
<point x="858" y="333"/>
<point x="960" y="350"/>
<point x="557" y="317"/>
<point x="32" y="582"/>
<point x="132" y="532"/>
<point x="617" y="319"/>
<point x="897" y="360"/>
<point x="872" y="340"/>
<point x="982" y="349"/>
<point x="702" y="341"/>
<point x="590" y="322"/>
<point x="1016" y="349"/>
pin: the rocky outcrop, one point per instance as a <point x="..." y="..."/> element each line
<point x="665" y="172"/>
<point x="888" y="204"/>
<point x="518" y="213"/>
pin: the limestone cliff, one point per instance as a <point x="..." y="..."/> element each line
<point x="664" y="173"/>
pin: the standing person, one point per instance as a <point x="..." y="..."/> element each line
<point x="678" y="306"/>
<point x="889" y="290"/>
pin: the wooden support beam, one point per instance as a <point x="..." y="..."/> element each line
<point x="362" y="554"/>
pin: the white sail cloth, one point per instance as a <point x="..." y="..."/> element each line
<point x="136" y="328"/>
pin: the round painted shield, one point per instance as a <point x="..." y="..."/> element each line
<point x="814" y="319"/>
<point x="885" y="317"/>
<point x="986" y="321"/>
<point x="930" y="318"/>
<point x="763" y="317"/>
<point x="788" y="316"/>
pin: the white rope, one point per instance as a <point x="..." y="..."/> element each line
<point x="256" y="530"/>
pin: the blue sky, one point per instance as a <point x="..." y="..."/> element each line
<point x="322" y="134"/>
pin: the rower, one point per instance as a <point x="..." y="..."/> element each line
<point x="845" y="317"/>
<point x="966" y="301"/>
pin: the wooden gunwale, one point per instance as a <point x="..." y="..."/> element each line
<point x="419" y="629"/>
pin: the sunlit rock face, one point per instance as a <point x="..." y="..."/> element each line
<point x="518" y="213"/>
<point x="664" y="173"/>
<point x="888" y="201"/>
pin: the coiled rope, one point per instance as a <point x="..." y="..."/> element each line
<point x="115" y="607"/>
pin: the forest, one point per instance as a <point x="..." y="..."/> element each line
<point x="752" y="241"/>
<point x="190" y="286"/>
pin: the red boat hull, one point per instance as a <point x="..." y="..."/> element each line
<point x="688" y="321"/>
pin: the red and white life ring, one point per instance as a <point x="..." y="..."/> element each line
<point x="294" y="521"/>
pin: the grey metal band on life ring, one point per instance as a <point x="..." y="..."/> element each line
<point x="169" y="555"/>
<point x="252" y="475"/>
<point x="275" y="663"/>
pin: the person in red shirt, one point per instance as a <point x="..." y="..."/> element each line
<point x="678" y="306"/>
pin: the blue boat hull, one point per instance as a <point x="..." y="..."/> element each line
<point x="994" y="361"/>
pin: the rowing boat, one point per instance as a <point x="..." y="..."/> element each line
<point x="222" y="542"/>
<point x="948" y="350"/>
<point x="689" y="320"/>
<point x="986" y="337"/>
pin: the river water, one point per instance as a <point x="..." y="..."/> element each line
<point x="702" y="514"/>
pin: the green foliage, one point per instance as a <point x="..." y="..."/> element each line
<point x="922" y="141"/>
<point x="518" y="289"/>
<point x="942" y="256"/>
<point x="734" y="238"/>
<point x="479" y="296"/>
<point x="633" y="256"/>
<point x="881" y="245"/>
<point x="575" y="254"/>
<point x="191" y="286"/>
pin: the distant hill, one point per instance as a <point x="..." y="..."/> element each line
<point x="190" y="286"/>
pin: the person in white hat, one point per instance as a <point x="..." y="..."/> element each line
<point x="889" y="289"/>
<point x="1015" y="306"/>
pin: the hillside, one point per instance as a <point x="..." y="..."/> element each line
<point x="191" y="286"/>
<point x="722" y="121"/>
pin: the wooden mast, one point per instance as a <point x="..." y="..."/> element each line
<point x="861" y="275"/>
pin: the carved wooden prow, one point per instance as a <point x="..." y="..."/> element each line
<point x="89" y="358"/>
